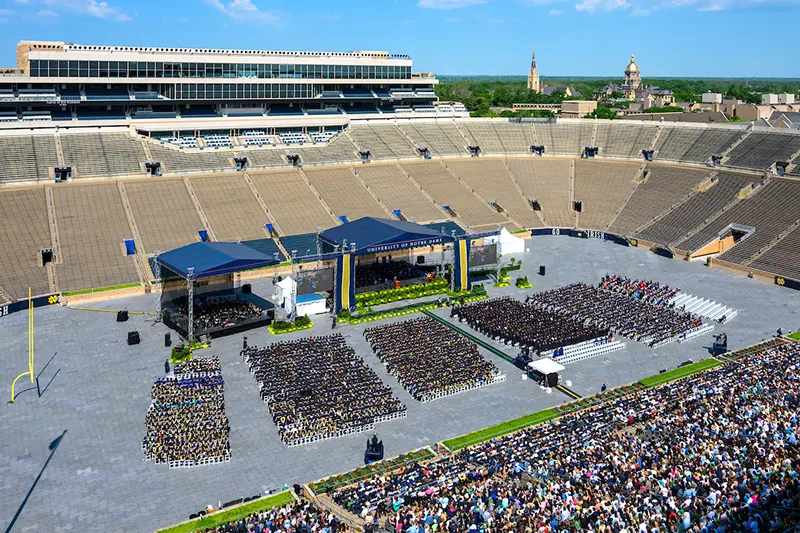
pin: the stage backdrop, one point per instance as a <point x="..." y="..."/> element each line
<point x="345" y="283"/>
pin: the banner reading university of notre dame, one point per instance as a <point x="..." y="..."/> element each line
<point x="345" y="297"/>
<point x="461" y="271"/>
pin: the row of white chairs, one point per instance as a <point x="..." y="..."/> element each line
<point x="465" y="388"/>
<point x="588" y="353"/>
<point x="704" y="307"/>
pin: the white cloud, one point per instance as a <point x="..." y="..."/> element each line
<point x="102" y="10"/>
<point x="448" y="4"/>
<point x="4" y="14"/>
<point x="555" y="12"/>
<point x="23" y="2"/>
<point x="46" y="13"/>
<point x="244" y="11"/>
<point x="638" y="8"/>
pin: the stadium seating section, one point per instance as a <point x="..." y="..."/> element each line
<point x="671" y="204"/>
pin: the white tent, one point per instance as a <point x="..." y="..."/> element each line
<point x="286" y="295"/>
<point x="506" y="242"/>
<point x="545" y="366"/>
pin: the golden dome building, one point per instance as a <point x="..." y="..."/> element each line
<point x="633" y="79"/>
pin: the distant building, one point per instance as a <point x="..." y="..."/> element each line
<point x="569" y="91"/>
<point x="632" y="81"/>
<point x="776" y="99"/>
<point x="533" y="75"/>
<point x="577" y="108"/>
<point x="711" y="98"/>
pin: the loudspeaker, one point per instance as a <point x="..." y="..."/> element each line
<point x="541" y="270"/>
<point x="552" y="379"/>
<point x="167" y="340"/>
<point x="246" y="288"/>
<point x="133" y="338"/>
<point x="122" y="316"/>
<point x="578" y="205"/>
<point x="420" y="259"/>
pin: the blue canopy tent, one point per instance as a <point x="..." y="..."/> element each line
<point x="371" y="235"/>
<point x="203" y="260"/>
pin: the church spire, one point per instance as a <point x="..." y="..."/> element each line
<point x="533" y="75"/>
<point x="533" y="59"/>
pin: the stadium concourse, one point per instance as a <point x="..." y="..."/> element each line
<point x="102" y="390"/>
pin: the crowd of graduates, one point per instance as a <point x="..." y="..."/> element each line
<point x="317" y="387"/>
<point x="429" y="359"/>
<point x="616" y="312"/>
<point x="186" y="421"/>
<point x="513" y="321"/>
<point x="646" y="290"/>
<point x="716" y="452"/>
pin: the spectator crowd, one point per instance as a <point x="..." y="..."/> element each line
<point x="648" y="291"/>
<point x="716" y="452"/>
<point x="617" y="312"/>
<point x="429" y="359"/>
<point x="380" y="274"/>
<point x="318" y="388"/>
<point x="186" y="421"/>
<point x="532" y="327"/>
<point x="299" y="517"/>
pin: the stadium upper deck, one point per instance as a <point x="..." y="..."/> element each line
<point x="56" y="81"/>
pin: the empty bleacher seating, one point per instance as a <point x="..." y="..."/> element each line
<point x="395" y="191"/>
<point x="492" y="182"/>
<point x="338" y="149"/>
<point x="265" y="246"/>
<point x="384" y="141"/>
<point x="344" y="195"/>
<point x="665" y="186"/>
<point x="254" y="138"/>
<point x="173" y="160"/>
<point x="291" y="202"/>
<point x="446" y="190"/>
<point x="440" y="139"/>
<point x="96" y="154"/>
<point x="28" y="157"/>
<point x="293" y="137"/>
<point x="564" y="138"/>
<point x="624" y="140"/>
<point x="24" y="232"/>
<point x="548" y="182"/>
<point x="783" y="258"/>
<point x="230" y="206"/>
<point x="483" y="134"/>
<point x="761" y="149"/>
<point x="217" y="140"/>
<point x="698" y="208"/>
<point x="602" y="186"/>
<point x="165" y="215"/>
<point x="771" y="210"/>
<point x="91" y="227"/>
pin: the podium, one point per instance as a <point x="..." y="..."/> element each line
<point x="374" y="451"/>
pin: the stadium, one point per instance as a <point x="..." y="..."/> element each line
<point x="555" y="324"/>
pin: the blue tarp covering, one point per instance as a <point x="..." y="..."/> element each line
<point x="214" y="259"/>
<point x="373" y="235"/>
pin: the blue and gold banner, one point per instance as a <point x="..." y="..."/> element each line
<point x="345" y="297"/>
<point x="461" y="270"/>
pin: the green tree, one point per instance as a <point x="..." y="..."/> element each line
<point x="602" y="112"/>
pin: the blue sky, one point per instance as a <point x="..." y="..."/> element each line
<point x="701" y="38"/>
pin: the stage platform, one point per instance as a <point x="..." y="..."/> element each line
<point x="311" y="304"/>
<point x="176" y="320"/>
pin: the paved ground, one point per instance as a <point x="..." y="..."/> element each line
<point x="97" y="480"/>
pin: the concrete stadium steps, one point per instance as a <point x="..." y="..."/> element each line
<point x="564" y="138"/>
<point x="440" y="139"/>
<point x="771" y="210"/>
<point x="624" y="140"/>
<point x="384" y="141"/>
<point x="548" y="181"/>
<point x="24" y="232"/>
<point x="490" y="180"/>
<point x="177" y="160"/>
<point x="515" y="137"/>
<point x="164" y="214"/>
<point x="585" y="350"/>
<point x="703" y="307"/>
<point x="664" y="187"/>
<point x="700" y="207"/>
<point x="602" y="187"/>
<point x="674" y="142"/>
<point x="340" y="149"/>
<point x="783" y="257"/>
<point x="27" y="157"/>
<point x="447" y="190"/>
<point x="291" y="202"/>
<point x="761" y="149"/>
<point x="230" y="207"/>
<point x="91" y="226"/>
<point x="393" y="188"/>
<point x="344" y="194"/>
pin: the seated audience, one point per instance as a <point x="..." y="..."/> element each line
<point x="429" y="359"/>
<point x="219" y="312"/>
<point x="318" y="387"/>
